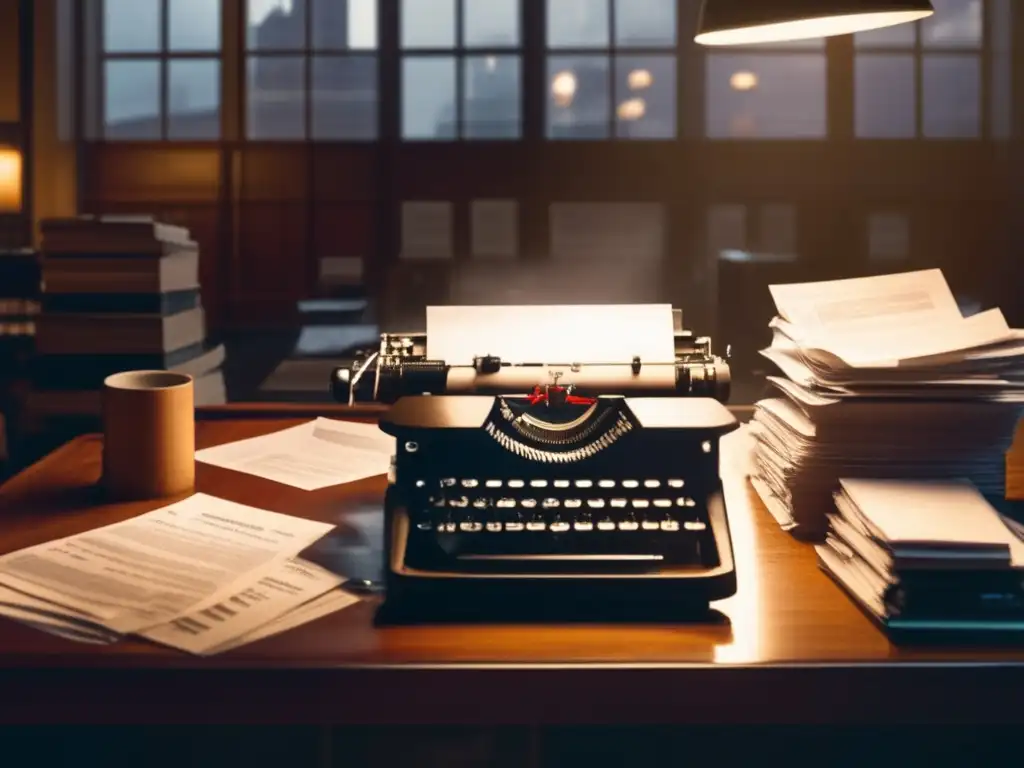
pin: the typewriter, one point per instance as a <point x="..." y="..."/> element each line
<point x="562" y="488"/>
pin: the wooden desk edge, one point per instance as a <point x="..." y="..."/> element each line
<point x="563" y="695"/>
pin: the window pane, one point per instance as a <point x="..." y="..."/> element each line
<point x="428" y="23"/>
<point x="885" y="96"/>
<point x="488" y="23"/>
<point x="578" y="97"/>
<point x="131" y="26"/>
<point x="494" y="225"/>
<point x="193" y="99"/>
<point x="777" y="231"/>
<point x="340" y="28"/>
<point x="276" y="97"/>
<point x="491" y="97"/>
<point x="645" y="23"/>
<point x="645" y="97"/>
<point x="951" y="96"/>
<point x="276" y="26"/>
<point x="193" y="25"/>
<point x="131" y="100"/>
<point x="778" y="96"/>
<point x="899" y="36"/>
<point x="428" y="97"/>
<point x="427" y="230"/>
<point x="888" y="237"/>
<point x="344" y="97"/>
<point x="578" y="23"/>
<point x="955" y="24"/>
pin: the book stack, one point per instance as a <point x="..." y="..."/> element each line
<point x="19" y="305"/>
<point x="119" y="293"/>
<point x="925" y="557"/>
<point x="882" y="377"/>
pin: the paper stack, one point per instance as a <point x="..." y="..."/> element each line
<point x="882" y="377"/>
<point x="925" y="556"/>
<point x="202" y="575"/>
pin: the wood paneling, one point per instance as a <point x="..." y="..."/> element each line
<point x="154" y="174"/>
<point x="10" y="71"/>
<point x="343" y="229"/>
<point x="270" y="269"/>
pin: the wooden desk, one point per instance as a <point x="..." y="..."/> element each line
<point x="794" y="648"/>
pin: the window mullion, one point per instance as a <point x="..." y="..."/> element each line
<point x="165" y="47"/>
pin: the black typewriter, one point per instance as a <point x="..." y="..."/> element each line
<point x="550" y="495"/>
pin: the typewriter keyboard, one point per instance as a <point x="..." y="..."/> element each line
<point x="512" y="518"/>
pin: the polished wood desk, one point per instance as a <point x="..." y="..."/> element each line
<point x="793" y="648"/>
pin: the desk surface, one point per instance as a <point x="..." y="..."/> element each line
<point x="794" y="647"/>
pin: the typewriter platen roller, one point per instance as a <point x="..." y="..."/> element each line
<point x="400" y="366"/>
<point x="557" y="496"/>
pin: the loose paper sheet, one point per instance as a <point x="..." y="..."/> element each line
<point x="216" y="623"/>
<point x="53" y="619"/>
<point x="552" y="334"/>
<point x="880" y="303"/>
<point x="311" y="456"/>
<point x="328" y="603"/>
<point x="153" y="568"/>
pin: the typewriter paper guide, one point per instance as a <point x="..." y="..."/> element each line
<point x="595" y="334"/>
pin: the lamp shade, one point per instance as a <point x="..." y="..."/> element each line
<point x="749" y="22"/>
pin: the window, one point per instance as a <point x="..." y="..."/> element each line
<point x="772" y="91"/>
<point x="924" y="79"/>
<point x="611" y="69"/>
<point x="311" y="69"/>
<point x="160" y="70"/>
<point x="461" y="69"/>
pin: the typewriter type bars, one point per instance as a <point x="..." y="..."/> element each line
<point x="558" y="499"/>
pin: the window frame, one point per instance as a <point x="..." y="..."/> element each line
<point x="920" y="50"/>
<point x="611" y="51"/>
<point x="308" y="53"/>
<point x="459" y="53"/>
<point x="163" y="56"/>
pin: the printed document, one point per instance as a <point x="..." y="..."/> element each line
<point x="330" y="602"/>
<point x="563" y="334"/>
<point x="216" y="622"/>
<point x="311" y="456"/>
<point x="153" y="568"/>
<point x="875" y="304"/>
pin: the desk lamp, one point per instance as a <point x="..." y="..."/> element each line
<point x="749" y="22"/>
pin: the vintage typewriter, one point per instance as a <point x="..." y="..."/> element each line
<point x="563" y="488"/>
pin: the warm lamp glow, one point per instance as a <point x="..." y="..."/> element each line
<point x="802" y="29"/>
<point x="639" y="79"/>
<point x="563" y="88"/>
<point x="743" y="81"/>
<point x="10" y="180"/>
<point x="633" y="109"/>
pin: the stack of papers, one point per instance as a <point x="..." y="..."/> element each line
<point x="925" y="555"/>
<point x="202" y="575"/>
<point x="882" y="377"/>
<point x="311" y="456"/>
